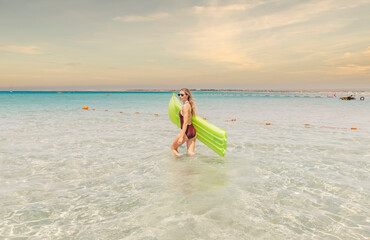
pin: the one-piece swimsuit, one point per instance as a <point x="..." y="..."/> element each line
<point x="190" y="130"/>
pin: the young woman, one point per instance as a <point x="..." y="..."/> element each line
<point x="187" y="133"/>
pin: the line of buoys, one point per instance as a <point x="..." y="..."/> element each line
<point x="232" y="120"/>
<point x="306" y="125"/>
<point x="334" y="127"/>
<point x="106" y="110"/>
<point x="352" y="128"/>
<point x="267" y="123"/>
<point x="271" y="95"/>
<point x="298" y="95"/>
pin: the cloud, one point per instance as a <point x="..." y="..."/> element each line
<point x="299" y="13"/>
<point x="263" y="33"/>
<point x="217" y="45"/>
<point x="359" y="57"/>
<point x="25" y="49"/>
<point x="352" y="69"/>
<point x="219" y="9"/>
<point x="214" y="39"/>
<point x="367" y="51"/>
<point x="142" y="18"/>
<point x="72" y="64"/>
<point x="351" y="63"/>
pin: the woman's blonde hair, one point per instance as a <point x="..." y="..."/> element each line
<point x="191" y="101"/>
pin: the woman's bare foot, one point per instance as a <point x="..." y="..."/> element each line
<point x="175" y="151"/>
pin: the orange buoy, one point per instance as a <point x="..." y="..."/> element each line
<point x="233" y="120"/>
<point x="107" y="94"/>
<point x="268" y="123"/>
<point x="205" y="118"/>
<point x="353" y="128"/>
<point x="137" y="112"/>
<point x="93" y="109"/>
<point x="156" y="114"/>
<point x="85" y="107"/>
<point x="120" y="112"/>
<point x="106" y="110"/>
<point x="307" y="124"/>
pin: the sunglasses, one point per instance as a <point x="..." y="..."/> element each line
<point x="180" y="94"/>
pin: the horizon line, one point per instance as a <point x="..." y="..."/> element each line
<point x="198" y="90"/>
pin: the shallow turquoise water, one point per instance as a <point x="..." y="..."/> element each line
<point x="71" y="173"/>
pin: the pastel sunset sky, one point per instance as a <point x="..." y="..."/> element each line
<point x="252" y="44"/>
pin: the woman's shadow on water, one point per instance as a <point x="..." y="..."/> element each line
<point x="197" y="174"/>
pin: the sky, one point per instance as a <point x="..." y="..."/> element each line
<point x="251" y="44"/>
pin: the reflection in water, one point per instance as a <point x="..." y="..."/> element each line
<point x="192" y="174"/>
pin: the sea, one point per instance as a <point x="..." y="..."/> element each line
<point x="297" y="166"/>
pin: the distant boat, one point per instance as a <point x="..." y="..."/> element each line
<point x="348" y="98"/>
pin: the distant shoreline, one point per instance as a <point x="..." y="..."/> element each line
<point x="367" y="92"/>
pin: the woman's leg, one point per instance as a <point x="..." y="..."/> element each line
<point x="191" y="145"/>
<point x="176" y="144"/>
